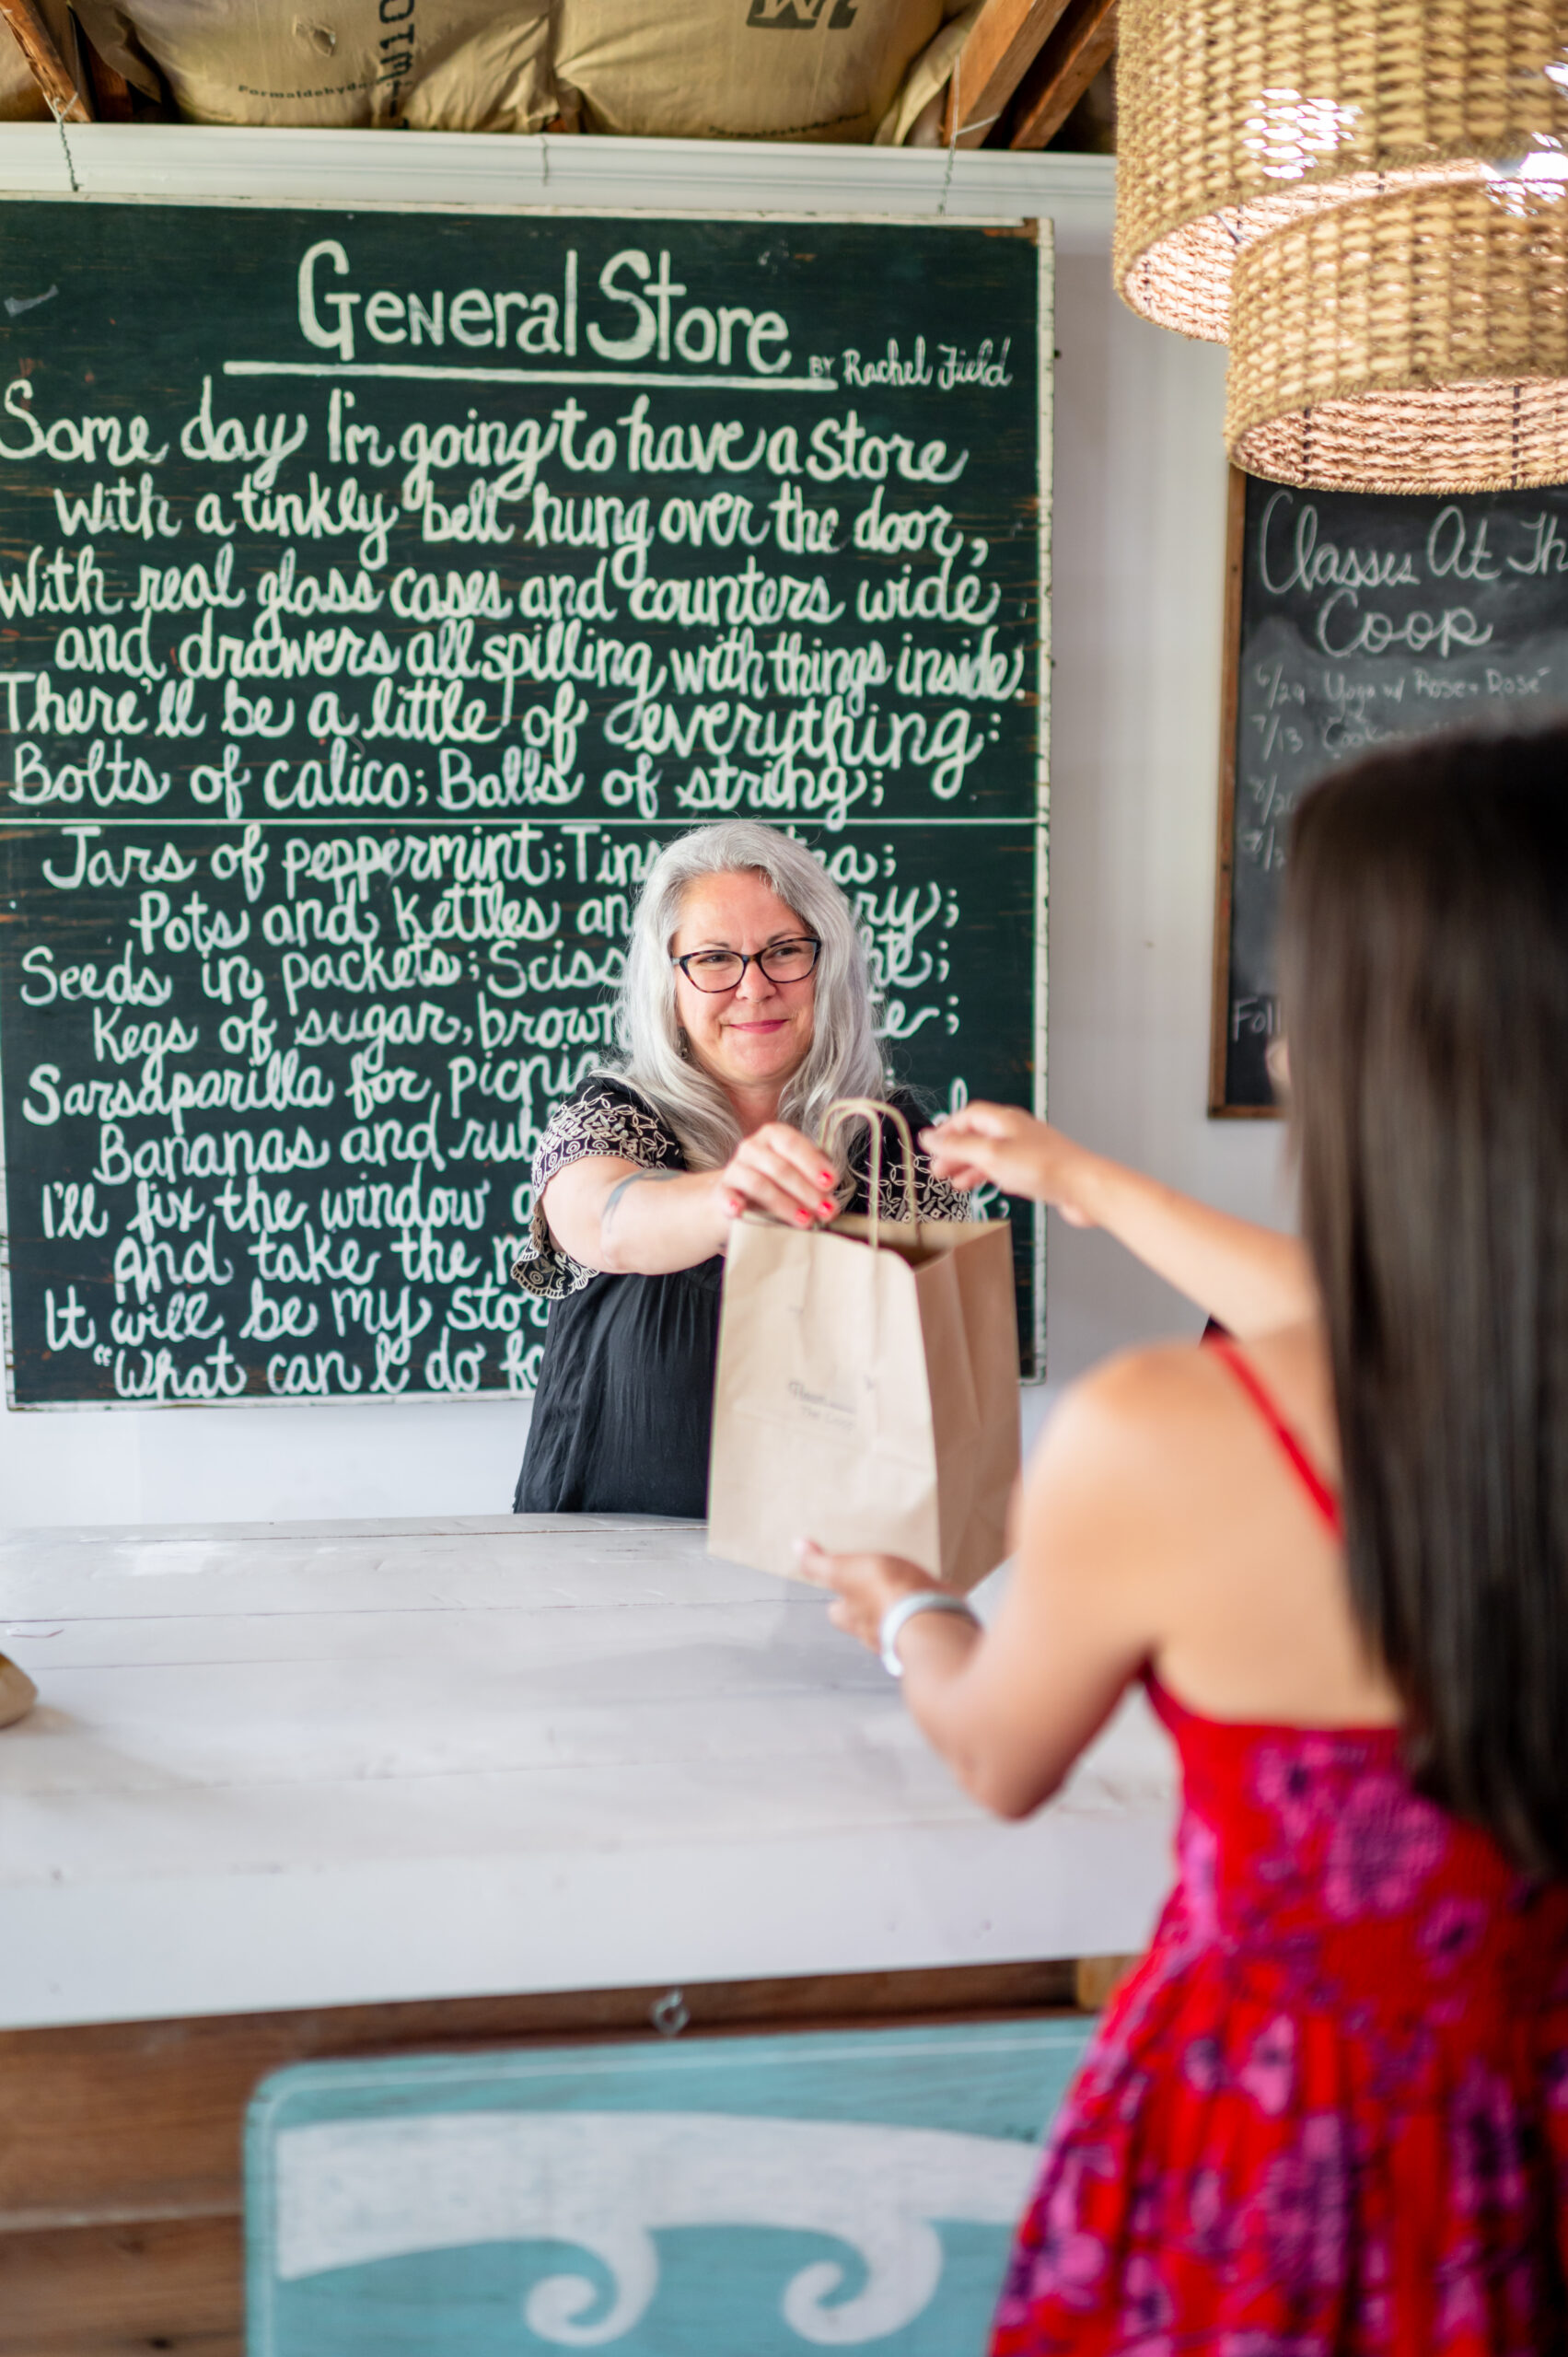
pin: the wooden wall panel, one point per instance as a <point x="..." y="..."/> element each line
<point x="105" y="2291"/>
<point x="120" y="2221"/>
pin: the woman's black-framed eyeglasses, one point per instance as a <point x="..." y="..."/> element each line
<point x="722" y="970"/>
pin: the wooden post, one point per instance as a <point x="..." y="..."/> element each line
<point x="1097" y="1978"/>
<point x="110" y="92"/>
<point x="1083" y="41"/>
<point x="1225" y="851"/>
<point x="68" y="101"/>
<point x="1003" y="43"/>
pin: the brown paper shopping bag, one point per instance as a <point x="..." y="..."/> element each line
<point x="867" y="1386"/>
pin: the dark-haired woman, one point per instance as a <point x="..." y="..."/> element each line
<point x="1329" y="2113"/>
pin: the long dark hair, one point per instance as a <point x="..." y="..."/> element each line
<point x="1424" y="965"/>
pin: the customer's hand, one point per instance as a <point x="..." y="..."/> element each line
<point x="778" y="1170"/>
<point x="1003" y="1147"/>
<point x="863" y="1586"/>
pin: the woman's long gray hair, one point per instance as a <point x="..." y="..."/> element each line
<point x="843" y="1059"/>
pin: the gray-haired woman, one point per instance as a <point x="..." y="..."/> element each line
<point x="745" y="1010"/>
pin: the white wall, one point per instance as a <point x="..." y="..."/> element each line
<point x="1138" y="610"/>
<point x="1139" y="531"/>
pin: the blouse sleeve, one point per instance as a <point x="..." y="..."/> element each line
<point x="602" y="1119"/>
<point x="936" y="1198"/>
<point x="940" y="1198"/>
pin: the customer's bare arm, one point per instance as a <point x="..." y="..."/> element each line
<point x="1011" y="1708"/>
<point x="1252" y="1279"/>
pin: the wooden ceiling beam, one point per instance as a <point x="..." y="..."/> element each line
<point x="66" y="101"/>
<point x="1082" y="41"/>
<point x="1003" y="43"/>
<point x="112" y="97"/>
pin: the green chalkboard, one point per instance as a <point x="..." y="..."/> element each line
<point x="378" y="592"/>
<point x="1356" y="619"/>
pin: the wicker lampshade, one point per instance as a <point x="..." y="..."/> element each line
<point x="1417" y="342"/>
<point x="1238" y="118"/>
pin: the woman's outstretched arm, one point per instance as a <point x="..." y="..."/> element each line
<point x="1252" y="1279"/>
<point x="616" y="1216"/>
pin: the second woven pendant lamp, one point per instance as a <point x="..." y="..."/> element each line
<point x="1241" y="118"/>
<point x="1415" y="342"/>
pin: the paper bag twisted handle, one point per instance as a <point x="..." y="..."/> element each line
<point x="866" y="1109"/>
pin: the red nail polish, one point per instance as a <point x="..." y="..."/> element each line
<point x="802" y="1219"/>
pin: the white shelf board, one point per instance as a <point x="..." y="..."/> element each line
<point x="200" y="164"/>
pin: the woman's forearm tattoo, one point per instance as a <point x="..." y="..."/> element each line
<point x="633" y="1178"/>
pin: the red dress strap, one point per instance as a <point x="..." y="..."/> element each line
<point x="1311" y="1481"/>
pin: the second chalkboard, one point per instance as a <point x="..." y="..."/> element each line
<point x="1352" y="621"/>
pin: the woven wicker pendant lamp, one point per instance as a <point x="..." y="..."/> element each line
<point x="1417" y="342"/>
<point x="1240" y="119"/>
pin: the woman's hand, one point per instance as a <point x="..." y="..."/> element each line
<point x="616" y="1216"/>
<point x="1007" y="1148"/>
<point x="778" y="1170"/>
<point x="863" y="1587"/>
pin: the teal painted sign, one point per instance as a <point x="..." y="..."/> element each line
<point x="749" y="2196"/>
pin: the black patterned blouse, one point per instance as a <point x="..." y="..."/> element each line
<point x="624" y="1413"/>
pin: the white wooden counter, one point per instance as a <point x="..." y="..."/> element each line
<point x="282" y="1765"/>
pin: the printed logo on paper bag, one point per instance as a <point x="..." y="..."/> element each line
<point x="836" y="1407"/>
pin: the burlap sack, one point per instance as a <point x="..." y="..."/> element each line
<point x="433" y="64"/>
<point x="914" y="119"/>
<point x="867" y="1388"/>
<point x="739" y="69"/>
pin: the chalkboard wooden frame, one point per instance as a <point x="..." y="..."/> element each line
<point x="1225" y="839"/>
<point x="1034" y="1322"/>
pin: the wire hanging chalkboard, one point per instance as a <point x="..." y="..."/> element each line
<point x="1354" y="621"/>
<point x="378" y="592"/>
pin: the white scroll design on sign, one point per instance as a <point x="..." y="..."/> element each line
<point x="352" y="2192"/>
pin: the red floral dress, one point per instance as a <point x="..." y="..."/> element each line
<point x="1328" y="2116"/>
